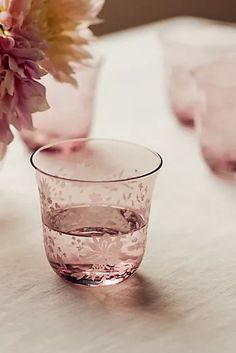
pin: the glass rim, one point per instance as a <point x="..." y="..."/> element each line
<point x="165" y="37"/>
<point x="108" y="181"/>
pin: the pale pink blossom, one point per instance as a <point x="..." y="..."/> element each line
<point x="62" y="24"/>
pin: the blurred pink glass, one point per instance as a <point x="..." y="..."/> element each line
<point x="72" y="109"/>
<point x="188" y="43"/>
<point x="95" y="205"/>
<point x="216" y="115"/>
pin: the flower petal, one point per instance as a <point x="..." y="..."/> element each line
<point x="6" y="135"/>
<point x="3" y="149"/>
<point x="18" y="9"/>
<point x="6" y="43"/>
<point x="24" y="119"/>
<point x="33" y="70"/>
<point x="7" y="85"/>
<point x="28" y="53"/>
<point x="32" y="96"/>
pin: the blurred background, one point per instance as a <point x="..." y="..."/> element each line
<point x="121" y="14"/>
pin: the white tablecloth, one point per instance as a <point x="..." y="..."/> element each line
<point x="183" y="298"/>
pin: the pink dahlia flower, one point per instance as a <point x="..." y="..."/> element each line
<point x="21" y="94"/>
<point x="36" y="34"/>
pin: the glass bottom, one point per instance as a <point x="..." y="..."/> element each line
<point x="36" y="139"/>
<point x="222" y="165"/>
<point x="92" y="279"/>
<point x="184" y="117"/>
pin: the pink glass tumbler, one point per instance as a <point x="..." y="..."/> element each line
<point x="72" y="109"/>
<point x="95" y="205"/>
<point x="216" y="115"/>
<point x="187" y="44"/>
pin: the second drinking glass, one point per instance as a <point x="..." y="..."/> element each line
<point x="71" y="109"/>
<point x="187" y="44"/>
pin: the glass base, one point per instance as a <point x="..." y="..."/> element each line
<point x="223" y="173"/>
<point x="36" y="139"/>
<point x="222" y="165"/>
<point x="93" y="279"/>
<point x="94" y="283"/>
<point x="184" y="117"/>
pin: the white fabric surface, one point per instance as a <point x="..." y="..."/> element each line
<point x="183" y="299"/>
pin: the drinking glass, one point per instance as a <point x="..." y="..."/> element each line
<point x="216" y="115"/>
<point x="95" y="205"/>
<point x="71" y="108"/>
<point x="187" y="44"/>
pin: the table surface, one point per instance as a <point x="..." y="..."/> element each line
<point x="183" y="298"/>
